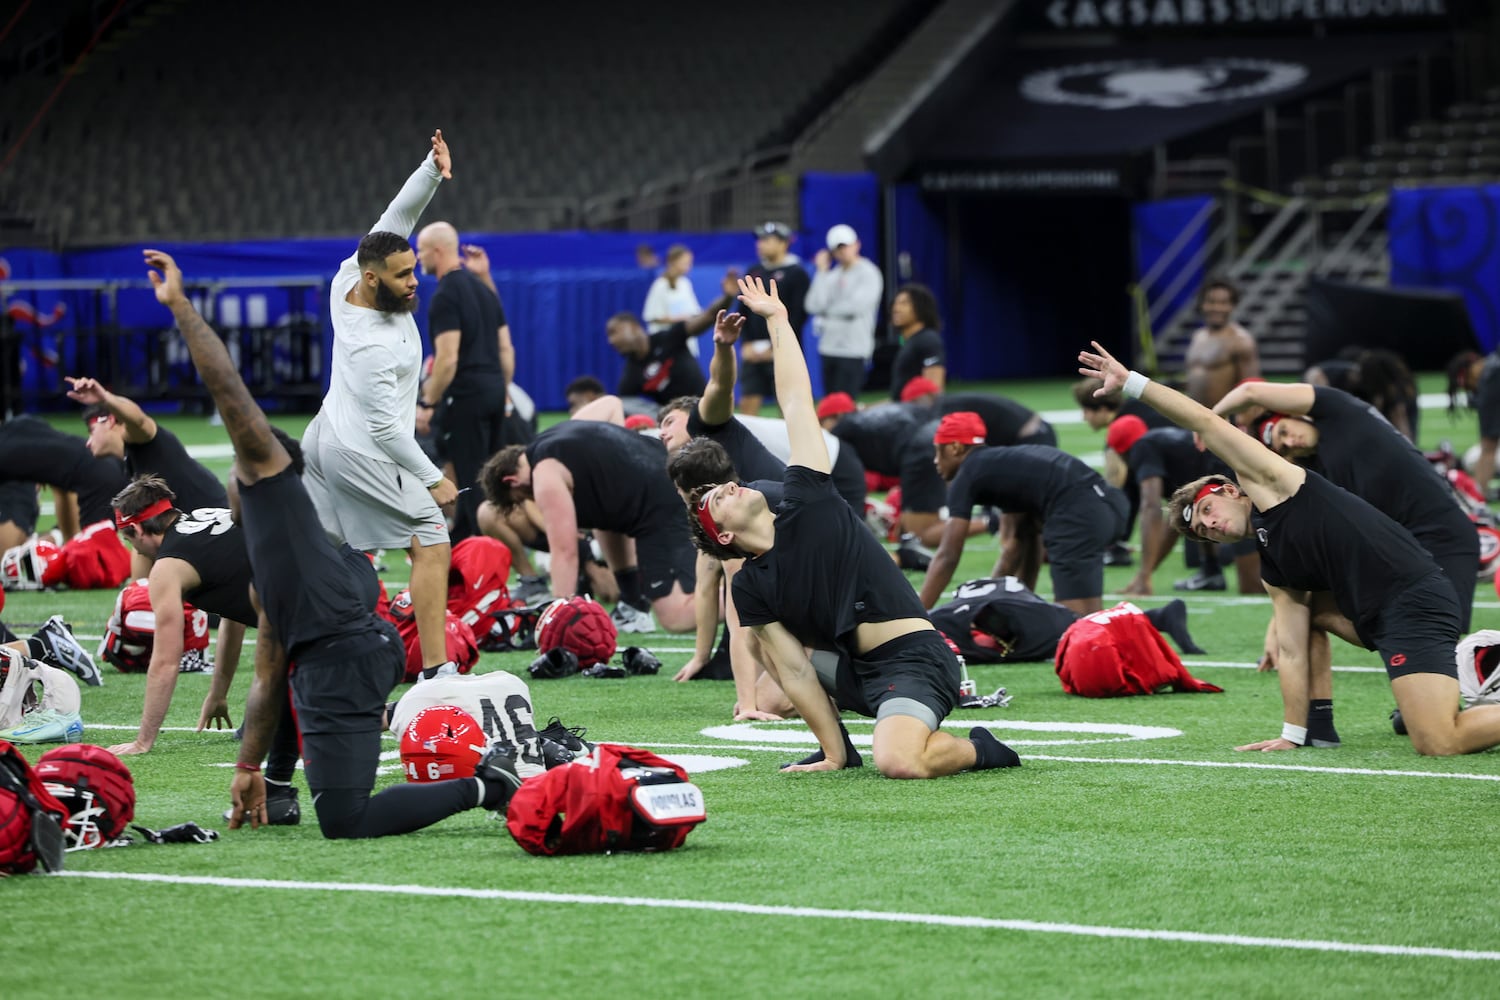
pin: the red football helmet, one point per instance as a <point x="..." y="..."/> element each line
<point x="131" y="632"/>
<point x="36" y="563"/>
<point x="441" y="742"/>
<point x="95" y="787"/>
<point x="463" y="648"/>
<point x="579" y="625"/>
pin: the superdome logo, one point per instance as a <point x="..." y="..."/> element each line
<point x="1150" y="83"/>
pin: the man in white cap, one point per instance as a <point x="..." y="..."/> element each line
<point x="844" y="301"/>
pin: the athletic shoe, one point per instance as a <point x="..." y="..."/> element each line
<point x="629" y="618"/>
<point x="913" y="555"/>
<point x="1118" y="554"/>
<point x="570" y="738"/>
<point x="46" y="725"/>
<point x="1201" y="582"/>
<point x="282" y="807"/>
<point x="530" y="589"/>
<point x="447" y="669"/>
<point x="62" y="650"/>
<point x="1397" y="722"/>
<point x="195" y="661"/>
<point x="496" y="771"/>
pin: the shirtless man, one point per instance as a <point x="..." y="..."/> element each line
<point x="1222" y="353"/>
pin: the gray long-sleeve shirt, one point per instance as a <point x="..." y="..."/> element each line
<point x="844" y="303"/>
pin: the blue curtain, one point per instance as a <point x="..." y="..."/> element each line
<point x="1450" y="238"/>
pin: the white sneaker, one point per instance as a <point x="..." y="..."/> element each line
<point x="629" y="618"/>
<point x="46" y="725"/>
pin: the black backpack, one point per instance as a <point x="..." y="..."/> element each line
<point x="1001" y="621"/>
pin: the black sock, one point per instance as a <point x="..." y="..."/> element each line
<point x="630" y="587"/>
<point x="281" y="759"/>
<point x="990" y="752"/>
<point x="1171" y="619"/>
<point x="1320" y="731"/>
<point x="36" y="648"/>
<point x="851" y="755"/>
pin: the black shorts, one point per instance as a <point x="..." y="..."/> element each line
<point x="311" y="591"/>
<point x="1417" y="631"/>
<point x="1460" y="566"/>
<point x="915" y="674"/>
<point x="758" y="378"/>
<point x="1487" y="398"/>
<point x="339" y="693"/>
<point x="19" y="505"/>
<point x="1078" y="529"/>
<point x="665" y="554"/>
<point x="1044" y="434"/>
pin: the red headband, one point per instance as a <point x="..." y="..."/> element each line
<point x="705" y="518"/>
<point x="963" y="427"/>
<point x="1266" y="427"/>
<point x="1203" y="491"/>
<point x="160" y="507"/>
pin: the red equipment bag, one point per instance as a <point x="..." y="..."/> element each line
<point x="30" y="817"/>
<point x="617" y="798"/>
<point x="1118" y="652"/>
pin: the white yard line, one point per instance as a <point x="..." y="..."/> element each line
<point x="806" y="913"/>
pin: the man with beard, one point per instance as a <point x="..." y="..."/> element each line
<point x="371" y="483"/>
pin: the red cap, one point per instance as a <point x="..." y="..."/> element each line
<point x="835" y="404"/>
<point x="639" y="421"/>
<point x="919" y="386"/>
<point x="1124" y="432"/>
<point x="964" y="427"/>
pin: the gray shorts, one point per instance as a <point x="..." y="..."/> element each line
<point x="367" y="502"/>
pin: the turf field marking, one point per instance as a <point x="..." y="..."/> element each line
<point x="1253" y="666"/>
<point x="1113" y="732"/>
<point x="1254" y="766"/>
<point x="809" y="913"/>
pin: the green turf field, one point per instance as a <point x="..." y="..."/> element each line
<point x="1135" y="853"/>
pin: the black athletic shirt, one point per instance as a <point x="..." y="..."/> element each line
<point x="826" y="572"/>
<point x="1326" y="538"/>
<point x="1136" y="408"/>
<point x="1023" y="478"/>
<point x="880" y="434"/>
<point x="165" y="456"/>
<point x="792" y="283"/>
<point x="464" y="303"/>
<point x="208" y="540"/>
<point x="667" y="371"/>
<point x="1358" y="450"/>
<point x="32" y="450"/>
<point x="1003" y="418"/>
<point x="620" y="480"/>
<point x="920" y="351"/>
<point x="1169" y="454"/>
<point x="752" y="460"/>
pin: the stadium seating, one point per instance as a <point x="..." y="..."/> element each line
<point x="219" y="119"/>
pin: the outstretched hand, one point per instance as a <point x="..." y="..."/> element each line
<point x="1103" y="367"/>
<point x="441" y="158"/>
<point x="759" y="300"/>
<point x="476" y="260"/>
<point x="85" y="391"/>
<point x="165" y="277"/>
<point x="727" y="327"/>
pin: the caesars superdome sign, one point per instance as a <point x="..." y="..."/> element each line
<point x="1135" y="83"/>
<point x="1108" y="14"/>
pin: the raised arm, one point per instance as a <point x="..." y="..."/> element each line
<point x="1266" y="477"/>
<point x="139" y="427"/>
<point x="1294" y="399"/>
<point x="793" y="385"/>
<point x="406" y="208"/>
<point x="716" y="406"/>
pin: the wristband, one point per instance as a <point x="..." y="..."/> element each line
<point x="1294" y="734"/>
<point x="422" y="404"/>
<point x="1135" y="384"/>
<point x="252" y="768"/>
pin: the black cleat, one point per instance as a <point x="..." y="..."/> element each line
<point x="639" y="661"/>
<point x="1118" y="554"/>
<point x="913" y="555"/>
<point x="1397" y="722"/>
<point x="1212" y="581"/>
<point x="851" y="755"/>
<point x="570" y="738"/>
<point x="553" y="664"/>
<point x="496" y="771"/>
